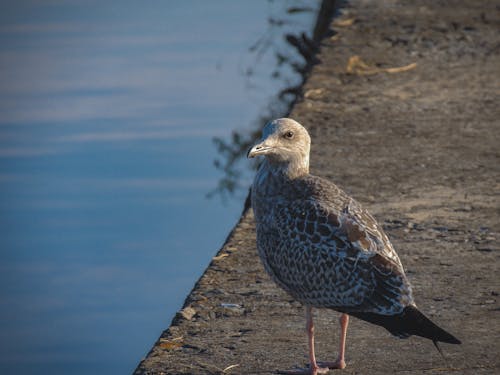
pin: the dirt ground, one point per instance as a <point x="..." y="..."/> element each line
<point x="411" y="128"/>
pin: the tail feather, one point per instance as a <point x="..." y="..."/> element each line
<point x="409" y="322"/>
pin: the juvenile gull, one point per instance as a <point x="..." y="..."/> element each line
<point x="324" y="249"/>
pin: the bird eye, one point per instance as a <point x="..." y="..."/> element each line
<point x="288" y="134"/>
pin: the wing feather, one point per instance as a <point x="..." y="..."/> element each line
<point x="333" y="255"/>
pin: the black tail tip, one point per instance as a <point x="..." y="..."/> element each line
<point x="409" y="322"/>
<point x="449" y="339"/>
<point x="424" y="327"/>
<point x="454" y="340"/>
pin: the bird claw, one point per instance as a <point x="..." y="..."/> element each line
<point x="338" y="364"/>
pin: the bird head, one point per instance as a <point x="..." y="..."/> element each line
<point x="285" y="144"/>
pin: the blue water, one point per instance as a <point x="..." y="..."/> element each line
<point x="107" y="114"/>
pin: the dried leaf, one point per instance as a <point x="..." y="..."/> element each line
<point x="401" y="68"/>
<point x="314" y="93"/>
<point x="357" y="66"/>
<point x="230" y="367"/>
<point x="345" y="22"/>
<point x="335" y="37"/>
<point x="171" y="345"/>
<point x="219" y="257"/>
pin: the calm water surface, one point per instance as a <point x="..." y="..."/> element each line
<point x="107" y="112"/>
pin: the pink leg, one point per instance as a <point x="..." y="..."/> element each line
<point x="344" y="321"/>
<point x="313" y="369"/>
<point x="340" y="362"/>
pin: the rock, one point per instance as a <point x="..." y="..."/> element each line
<point x="187" y="313"/>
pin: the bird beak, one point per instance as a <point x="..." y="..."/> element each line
<point x="259" y="149"/>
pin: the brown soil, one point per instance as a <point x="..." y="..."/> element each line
<point x="420" y="147"/>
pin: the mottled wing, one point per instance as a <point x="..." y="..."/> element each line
<point x="367" y="228"/>
<point x="328" y="257"/>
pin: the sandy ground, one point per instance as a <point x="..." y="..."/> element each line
<point x="411" y="128"/>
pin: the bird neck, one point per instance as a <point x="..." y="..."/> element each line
<point x="290" y="169"/>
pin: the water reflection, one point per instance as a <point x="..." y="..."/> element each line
<point x="107" y="114"/>
<point x="293" y="59"/>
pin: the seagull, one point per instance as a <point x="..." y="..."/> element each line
<point x="324" y="249"/>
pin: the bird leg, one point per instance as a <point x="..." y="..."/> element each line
<point x="340" y="362"/>
<point x="314" y="368"/>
